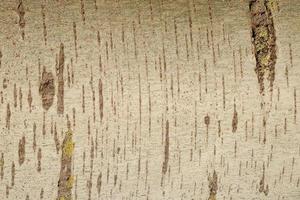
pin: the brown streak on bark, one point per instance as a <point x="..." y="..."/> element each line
<point x="21" y="151"/>
<point x="20" y="98"/>
<point x="166" y="151"/>
<point x="234" y="119"/>
<point x="100" y="99"/>
<point x="21" y="13"/>
<point x="75" y="40"/>
<point x="1" y="55"/>
<point x="213" y="186"/>
<point x="47" y="89"/>
<point x="44" y="24"/>
<point x="13" y="174"/>
<point x="39" y="157"/>
<point x="29" y="98"/>
<point x="8" y="116"/>
<point x="2" y="166"/>
<point x="60" y="76"/>
<point x="82" y="11"/>
<point x="15" y="96"/>
<point x="34" y="137"/>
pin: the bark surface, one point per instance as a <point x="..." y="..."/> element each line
<point x="154" y="99"/>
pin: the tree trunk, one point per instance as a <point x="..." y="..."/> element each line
<point x="155" y="99"/>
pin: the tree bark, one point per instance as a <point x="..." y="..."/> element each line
<point x="155" y="99"/>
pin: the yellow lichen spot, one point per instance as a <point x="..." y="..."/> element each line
<point x="263" y="32"/>
<point x="69" y="133"/>
<point x="273" y="5"/>
<point x="264" y="60"/>
<point x="65" y="198"/>
<point x="259" y="46"/>
<point x="68" y="147"/>
<point x="70" y="181"/>
<point x="212" y="197"/>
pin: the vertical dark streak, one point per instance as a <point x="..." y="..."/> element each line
<point x="21" y="150"/>
<point x="295" y="105"/>
<point x="291" y="55"/>
<point x="8" y="116"/>
<point x="60" y="77"/>
<point x="75" y="40"/>
<point x="83" y="99"/>
<point x="29" y="98"/>
<point x="223" y="86"/>
<point x="213" y="186"/>
<point x="44" y="24"/>
<point x="21" y="13"/>
<point x="176" y="38"/>
<point x="15" y="96"/>
<point x="166" y="151"/>
<point x="82" y="11"/>
<point x="2" y="166"/>
<point x="100" y="99"/>
<point x="234" y="119"/>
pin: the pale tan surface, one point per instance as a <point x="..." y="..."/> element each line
<point x="135" y="170"/>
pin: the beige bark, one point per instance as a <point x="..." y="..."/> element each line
<point x="155" y="99"/>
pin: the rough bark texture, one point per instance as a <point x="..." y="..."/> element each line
<point x="154" y="99"/>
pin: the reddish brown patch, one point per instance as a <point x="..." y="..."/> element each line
<point x="22" y="143"/>
<point x="47" y="89"/>
<point x="234" y="120"/>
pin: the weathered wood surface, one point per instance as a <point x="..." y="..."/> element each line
<point x="155" y="99"/>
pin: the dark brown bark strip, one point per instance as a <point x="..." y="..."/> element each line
<point x="15" y="96"/>
<point x="213" y="186"/>
<point x="2" y="166"/>
<point x="75" y="40"/>
<point x="44" y="24"/>
<point x="100" y="87"/>
<point x="47" y="89"/>
<point x="264" y="41"/>
<point x="166" y="154"/>
<point x="8" y="116"/>
<point x="60" y="76"/>
<point x="39" y="158"/>
<point x="22" y="150"/>
<point x="1" y="55"/>
<point x="29" y="98"/>
<point x="21" y="13"/>
<point x="234" y="119"/>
